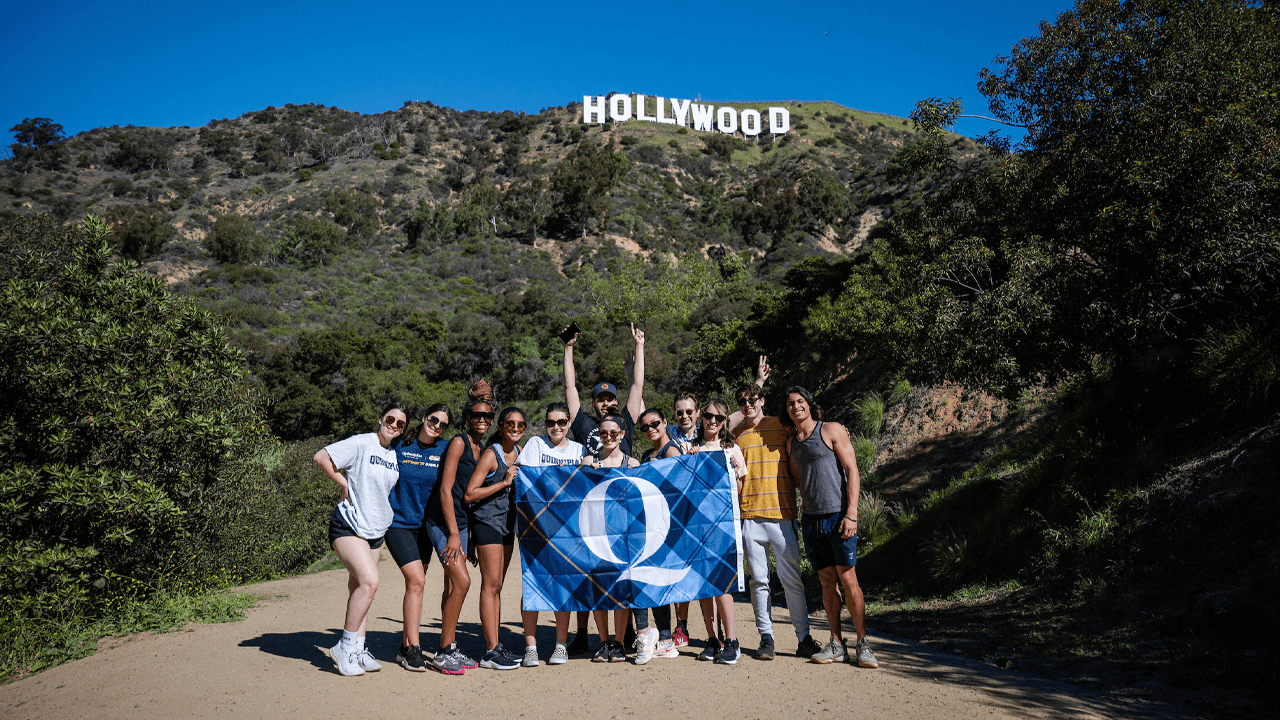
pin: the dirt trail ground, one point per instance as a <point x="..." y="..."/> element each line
<point x="272" y="664"/>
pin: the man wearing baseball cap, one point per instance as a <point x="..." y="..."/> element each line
<point x="604" y="400"/>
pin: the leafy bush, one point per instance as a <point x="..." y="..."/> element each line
<point x="873" y="517"/>
<point x="234" y="239"/>
<point x="870" y="408"/>
<point x="139" y="232"/>
<point x="355" y="210"/>
<point x="311" y="241"/>
<point x="864" y="449"/>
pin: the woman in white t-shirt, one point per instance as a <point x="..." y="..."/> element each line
<point x="554" y="448"/>
<point x="359" y="523"/>
<point x="714" y="436"/>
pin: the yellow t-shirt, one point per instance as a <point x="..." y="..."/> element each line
<point x="769" y="491"/>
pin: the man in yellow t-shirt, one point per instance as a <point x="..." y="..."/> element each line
<point x="768" y="504"/>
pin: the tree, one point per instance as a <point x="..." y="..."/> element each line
<point x="234" y="239"/>
<point x="584" y="179"/>
<point x="1139" y="213"/>
<point x="120" y="406"/>
<point x="480" y="209"/>
<point x="430" y="223"/>
<point x="139" y="232"/>
<point x="37" y="141"/>
<point x="526" y="207"/>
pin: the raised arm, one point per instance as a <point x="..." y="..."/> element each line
<point x="635" y="396"/>
<point x="571" y="379"/>
<point x="762" y="374"/>
<point x="838" y="438"/>
<point x="325" y="462"/>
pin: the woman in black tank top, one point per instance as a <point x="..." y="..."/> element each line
<point x="654" y="428"/>
<point x="493" y="521"/>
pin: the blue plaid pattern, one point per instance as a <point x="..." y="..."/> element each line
<point x="664" y="532"/>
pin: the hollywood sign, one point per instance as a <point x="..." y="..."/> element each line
<point x="618" y="108"/>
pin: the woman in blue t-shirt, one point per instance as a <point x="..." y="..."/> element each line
<point x="418" y="456"/>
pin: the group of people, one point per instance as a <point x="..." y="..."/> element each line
<point x="422" y="494"/>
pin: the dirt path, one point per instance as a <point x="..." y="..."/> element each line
<point x="271" y="664"/>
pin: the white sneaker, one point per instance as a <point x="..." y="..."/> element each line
<point x="531" y="656"/>
<point x="367" y="663"/>
<point x="666" y="649"/>
<point x="645" y="643"/>
<point x="348" y="662"/>
<point x="560" y="656"/>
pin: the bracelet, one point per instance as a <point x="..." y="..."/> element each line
<point x="846" y="517"/>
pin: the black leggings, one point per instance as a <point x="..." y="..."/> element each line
<point x="661" y="615"/>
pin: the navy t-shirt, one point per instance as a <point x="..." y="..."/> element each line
<point x="586" y="430"/>
<point x="419" y="471"/>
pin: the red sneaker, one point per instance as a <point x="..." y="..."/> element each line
<point x="679" y="637"/>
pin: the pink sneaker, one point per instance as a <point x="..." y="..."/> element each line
<point x="679" y="637"/>
<point x="666" y="649"/>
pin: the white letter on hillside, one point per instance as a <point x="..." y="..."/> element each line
<point x="703" y="116"/>
<point x="680" y="109"/>
<point x="731" y="124"/>
<point x="662" y="112"/>
<point x="640" y="109"/>
<point x="593" y="110"/>
<point x="750" y="122"/>
<point x="620" y="108"/>
<point x="779" y="120"/>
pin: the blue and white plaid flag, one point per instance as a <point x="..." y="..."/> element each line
<point x="661" y="533"/>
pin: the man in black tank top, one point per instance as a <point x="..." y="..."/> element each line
<point x="824" y="464"/>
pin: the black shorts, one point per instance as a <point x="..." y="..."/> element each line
<point x="408" y="545"/>
<point x="338" y="527"/>
<point x="482" y="534"/>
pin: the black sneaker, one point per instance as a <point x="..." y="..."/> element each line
<point x="808" y="647"/>
<point x="603" y="652"/>
<point x="629" y="638"/>
<point x="499" y="659"/>
<point x="410" y="658"/>
<point x="729" y="653"/>
<point x="580" y="644"/>
<point x="711" y="650"/>
<point x="766" y="648"/>
<point x="617" y="653"/>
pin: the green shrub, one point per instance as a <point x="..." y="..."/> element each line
<point x="870" y="409"/>
<point x="139" y="232"/>
<point x="900" y="391"/>
<point x="864" y="449"/>
<point x="1241" y="365"/>
<point x="873" y="517"/>
<point x="234" y="239"/>
<point x="311" y="241"/>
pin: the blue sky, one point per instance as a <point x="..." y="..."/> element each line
<point x="92" y="64"/>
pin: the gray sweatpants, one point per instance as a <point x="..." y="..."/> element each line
<point x="757" y="536"/>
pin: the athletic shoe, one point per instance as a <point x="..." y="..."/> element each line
<point x="560" y="656"/>
<point x="410" y="658"/>
<point x="499" y="659"/>
<point x="603" y="652"/>
<point x="729" y="653"/>
<point x="679" y="637"/>
<point x="617" y="653"/>
<point x="833" y="652"/>
<point x="808" y="647"/>
<point x="348" y="661"/>
<point x="711" y="650"/>
<point x="666" y="649"/>
<point x="531" y="656"/>
<point x="580" y="644"/>
<point x="766" y="648"/>
<point x="466" y="662"/>
<point x="365" y="658"/>
<point x="446" y="662"/>
<point x="865" y="658"/>
<point x="646" y="643"/>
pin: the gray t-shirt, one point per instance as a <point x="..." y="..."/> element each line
<point x="371" y="474"/>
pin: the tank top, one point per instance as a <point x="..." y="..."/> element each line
<point x="822" y="478"/>
<point x="495" y="510"/>
<point x="466" y="466"/>
<point x="661" y="453"/>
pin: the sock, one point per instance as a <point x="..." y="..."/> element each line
<point x="359" y="642"/>
<point x="350" y="640"/>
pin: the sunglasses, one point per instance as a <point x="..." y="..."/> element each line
<point x="682" y="413"/>
<point x="393" y="423"/>
<point x="485" y="416"/>
<point x="651" y="426"/>
<point x="515" y="425"/>
<point x="749" y="401"/>
<point x="712" y="417"/>
<point x="433" y="421"/>
<point x="562" y="422"/>
<point x="611" y="434"/>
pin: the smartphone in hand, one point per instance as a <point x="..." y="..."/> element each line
<point x="569" y="332"/>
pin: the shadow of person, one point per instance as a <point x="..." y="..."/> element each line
<point x="312" y="646"/>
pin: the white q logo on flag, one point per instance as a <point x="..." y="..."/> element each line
<point x="657" y="521"/>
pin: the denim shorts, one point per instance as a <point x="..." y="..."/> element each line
<point x="338" y="527"/>
<point x="823" y="544"/>
<point x="440" y="537"/>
